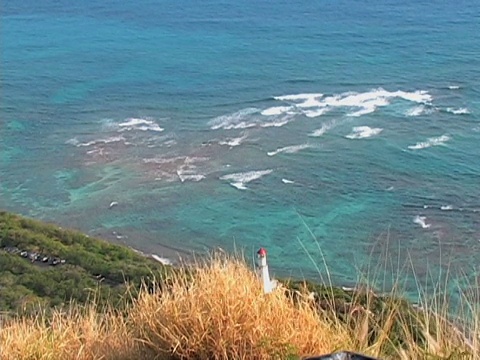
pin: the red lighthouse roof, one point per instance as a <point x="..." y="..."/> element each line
<point x="262" y="252"/>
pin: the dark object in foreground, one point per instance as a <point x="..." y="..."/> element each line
<point x="343" y="355"/>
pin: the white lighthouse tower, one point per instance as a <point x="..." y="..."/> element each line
<point x="268" y="285"/>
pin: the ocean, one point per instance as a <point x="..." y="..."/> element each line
<point x="340" y="133"/>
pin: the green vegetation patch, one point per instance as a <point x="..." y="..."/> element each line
<point x="90" y="267"/>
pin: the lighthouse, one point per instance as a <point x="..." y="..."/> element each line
<point x="268" y="285"/>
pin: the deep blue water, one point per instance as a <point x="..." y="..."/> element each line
<point x="348" y="129"/>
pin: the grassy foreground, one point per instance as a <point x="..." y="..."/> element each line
<point x="220" y="312"/>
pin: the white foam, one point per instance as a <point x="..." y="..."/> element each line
<point x="185" y="176"/>
<point x="240" y="179"/>
<point x="325" y="127"/>
<point x="310" y="102"/>
<point x="232" y="142"/>
<point x="74" y="141"/>
<point x="252" y="117"/>
<point x="99" y="141"/>
<point x="421" y="220"/>
<point x="459" y="111"/>
<point x="277" y="123"/>
<point x="139" y="124"/>
<point x="236" y="120"/>
<point x="446" y="207"/>
<point x="362" y="132"/>
<point x="296" y="97"/>
<point x="289" y="149"/>
<point x="363" y="111"/>
<point x="134" y="122"/>
<point x="170" y="143"/>
<point x="276" y="110"/>
<point x="313" y="105"/>
<point x="187" y="172"/>
<point x="162" y="260"/>
<point x="434" y="141"/>
<point x="419" y="96"/>
<point x="316" y="113"/>
<point x="163" y="160"/>
<point x="286" y="181"/>
<point x="415" y="111"/>
<point x="366" y="102"/>
<point x="239" y="185"/>
<point x="195" y="159"/>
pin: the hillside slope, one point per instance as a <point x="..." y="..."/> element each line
<point x="45" y="264"/>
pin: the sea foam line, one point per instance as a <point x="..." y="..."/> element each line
<point x="421" y="220"/>
<point x="232" y="142"/>
<point x="276" y="110"/>
<point x="289" y="149"/>
<point x="325" y="127"/>
<point x="296" y="97"/>
<point x="238" y="180"/>
<point x="139" y="124"/>
<point x="162" y="260"/>
<point x="433" y="141"/>
<point x="313" y="105"/>
<point x="279" y="122"/>
<point x="236" y="120"/>
<point x="185" y="175"/>
<point x="459" y="111"/>
<point x="109" y="140"/>
<point x="416" y="111"/>
<point x="362" y="132"/>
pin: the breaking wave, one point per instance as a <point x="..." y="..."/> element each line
<point x="238" y="180"/>
<point x="187" y="175"/>
<point x="237" y="120"/>
<point x="253" y="117"/>
<point x="277" y="110"/>
<point x="316" y="113"/>
<point x="325" y="127"/>
<point x="434" y="141"/>
<point x="362" y="132"/>
<point x="139" y="124"/>
<point x="296" y="97"/>
<point x="113" y="139"/>
<point x="278" y="122"/>
<point x="419" y="110"/>
<point x="232" y="142"/>
<point x="421" y="220"/>
<point x="459" y="111"/>
<point x="289" y="149"/>
<point x="313" y="105"/>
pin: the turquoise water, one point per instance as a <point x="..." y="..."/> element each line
<point x="338" y="128"/>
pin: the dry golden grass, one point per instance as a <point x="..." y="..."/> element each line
<point x="220" y="312"/>
<point x="223" y="314"/>
<point x="80" y="333"/>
